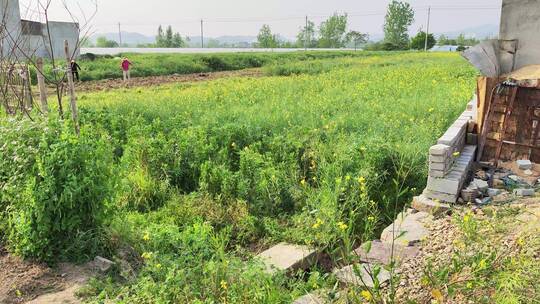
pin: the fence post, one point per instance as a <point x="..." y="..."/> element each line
<point x="71" y="89"/>
<point x="27" y="84"/>
<point x="42" y="87"/>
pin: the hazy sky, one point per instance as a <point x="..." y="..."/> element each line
<point x="245" y="17"/>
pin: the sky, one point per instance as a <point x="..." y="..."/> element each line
<point x="245" y="17"/>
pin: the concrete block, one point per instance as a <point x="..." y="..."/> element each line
<point x="286" y="257"/>
<point x="361" y="275"/>
<point x="437" y="173"/>
<point x="524" y="192"/>
<point x="482" y="185"/>
<point x="439" y="149"/>
<point x="472" y="127"/>
<point x="472" y="139"/>
<point x="524" y="164"/>
<point x="442" y="197"/>
<point x="381" y="253"/>
<point x="444" y="185"/>
<point x="424" y="204"/>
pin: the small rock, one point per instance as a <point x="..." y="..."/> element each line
<point x="103" y="264"/>
<point x="498" y="183"/>
<point x="481" y="184"/>
<point x="493" y="192"/>
<point x="524" y="164"/>
<point x="524" y="192"/>
<point x="515" y="178"/>
<point x="528" y="172"/>
<point x="484" y="201"/>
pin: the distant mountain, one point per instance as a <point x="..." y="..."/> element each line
<point x="130" y="38"/>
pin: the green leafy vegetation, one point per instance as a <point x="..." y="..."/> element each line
<point x="108" y="67"/>
<point x="207" y="174"/>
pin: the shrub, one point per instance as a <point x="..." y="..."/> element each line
<point x="55" y="188"/>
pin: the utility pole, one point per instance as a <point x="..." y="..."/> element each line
<point x="120" y="33"/>
<point x="306" y="36"/>
<point x="427" y="31"/>
<point x="202" y="34"/>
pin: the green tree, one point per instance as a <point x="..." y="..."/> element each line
<point x="160" y="38"/>
<point x="399" y="17"/>
<point x="266" y="39"/>
<point x="419" y="41"/>
<point x="356" y="38"/>
<point x="103" y="42"/>
<point x="169" y="37"/>
<point x="307" y="36"/>
<point x="443" y="40"/>
<point x="332" y="31"/>
<point x="177" y="41"/>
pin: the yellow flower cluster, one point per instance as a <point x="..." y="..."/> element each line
<point x="318" y="223"/>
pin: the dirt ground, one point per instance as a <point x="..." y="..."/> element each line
<point x="30" y="282"/>
<point x="109" y="84"/>
<point x="441" y="244"/>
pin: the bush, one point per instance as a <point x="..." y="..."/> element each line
<point x="55" y="189"/>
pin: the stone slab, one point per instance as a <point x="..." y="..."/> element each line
<point x="381" y="253"/>
<point x="360" y="275"/>
<point x="424" y="204"/>
<point x="286" y="257"/>
<point x="406" y="231"/>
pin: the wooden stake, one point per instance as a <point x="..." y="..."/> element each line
<point x="42" y="87"/>
<point x="71" y="89"/>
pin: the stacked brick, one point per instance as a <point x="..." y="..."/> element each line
<point x="452" y="159"/>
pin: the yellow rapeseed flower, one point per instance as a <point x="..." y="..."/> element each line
<point x="317" y="224"/>
<point x="146" y="236"/>
<point x="224" y="285"/>
<point x="342" y="226"/>
<point x="366" y="295"/>
<point x="456" y="154"/>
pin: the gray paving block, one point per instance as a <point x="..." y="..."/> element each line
<point x="287" y="257"/>
<point x="406" y="231"/>
<point x="382" y="253"/>
<point x="441" y="197"/>
<point x="524" y="192"/>
<point x="361" y="275"/>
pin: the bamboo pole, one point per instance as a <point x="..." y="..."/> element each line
<point x="71" y="89"/>
<point x="42" y="87"/>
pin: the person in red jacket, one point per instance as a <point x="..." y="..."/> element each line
<point x="126" y="64"/>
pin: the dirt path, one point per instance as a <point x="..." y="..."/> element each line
<point x="30" y="282"/>
<point x="110" y="84"/>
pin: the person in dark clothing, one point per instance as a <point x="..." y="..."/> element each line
<point x="75" y="68"/>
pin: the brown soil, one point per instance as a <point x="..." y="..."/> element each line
<point x="110" y="84"/>
<point x="30" y="282"/>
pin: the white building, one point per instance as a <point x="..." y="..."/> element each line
<point x="33" y="37"/>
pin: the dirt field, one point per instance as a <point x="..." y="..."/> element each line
<point x="109" y="84"/>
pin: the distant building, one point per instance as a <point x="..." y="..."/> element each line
<point x="33" y="37"/>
